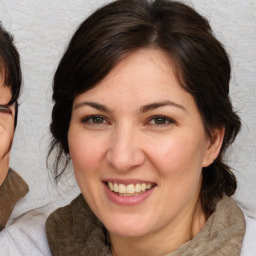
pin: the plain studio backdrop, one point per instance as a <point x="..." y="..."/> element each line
<point x="42" y="29"/>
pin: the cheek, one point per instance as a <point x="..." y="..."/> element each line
<point x="6" y="134"/>
<point x="179" y="162"/>
<point x="85" y="153"/>
<point x="178" y="155"/>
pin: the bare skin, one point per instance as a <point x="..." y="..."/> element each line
<point x="6" y="129"/>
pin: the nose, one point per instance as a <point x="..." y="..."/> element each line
<point x="125" y="151"/>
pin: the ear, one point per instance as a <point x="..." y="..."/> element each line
<point x="213" y="146"/>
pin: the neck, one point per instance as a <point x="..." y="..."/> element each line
<point x="164" y="241"/>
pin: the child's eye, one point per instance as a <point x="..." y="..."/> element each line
<point x="4" y="109"/>
<point x="94" y="119"/>
<point x="160" y="120"/>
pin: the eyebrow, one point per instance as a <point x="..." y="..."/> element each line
<point x="155" y="105"/>
<point x="143" y="109"/>
<point x="93" y="105"/>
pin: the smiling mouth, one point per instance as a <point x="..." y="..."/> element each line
<point x="130" y="189"/>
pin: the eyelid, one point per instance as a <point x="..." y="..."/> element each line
<point x="86" y="118"/>
<point x="170" y="120"/>
<point x="5" y="109"/>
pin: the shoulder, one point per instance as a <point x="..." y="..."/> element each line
<point x="249" y="244"/>
<point x="62" y="226"/>
<point x="71" y="230"/>
<point x="25" y="234"/>
<point x="61" y="220"/>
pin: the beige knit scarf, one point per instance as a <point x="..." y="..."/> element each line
<point x="74" y="230"/>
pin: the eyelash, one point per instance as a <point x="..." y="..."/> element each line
<point x="4" y="109"/>
<point x="163" y="118"/>
<point x="92" y="120"/>
<point x="89" y="120"/>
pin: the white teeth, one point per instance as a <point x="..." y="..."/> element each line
<point x="129" y="189"/>
<point x="149" y="186"/>
<point x="122" y="188"/>
<point x="138" y="188"/>
<point x="111" y="186"/>
<point x="116" y="187"/>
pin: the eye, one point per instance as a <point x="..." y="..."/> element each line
<point x="5" y="109"/>
<point x="160" y="120"/>
<point x="95" y="120"/>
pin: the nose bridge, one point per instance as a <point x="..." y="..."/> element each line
<point x="125" y="151"/>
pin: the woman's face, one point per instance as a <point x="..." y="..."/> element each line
<point x="139" y="133"/>
<point x="6" y="129"/>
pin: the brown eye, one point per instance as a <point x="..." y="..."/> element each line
<point x="160" y="120"/>
<point x="95" y="120"/>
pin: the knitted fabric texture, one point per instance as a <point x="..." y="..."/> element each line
<point x="75" y="230"/>
<point x="11" y="191"/>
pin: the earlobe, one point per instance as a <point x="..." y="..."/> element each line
<point x="214" y="146"/>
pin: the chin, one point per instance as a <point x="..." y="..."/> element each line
<point x="128" y="227"/>
<point x="129" y="232"/>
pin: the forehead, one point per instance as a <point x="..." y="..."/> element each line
<point x="141" y="77"/>
<point x="149" y="60"/>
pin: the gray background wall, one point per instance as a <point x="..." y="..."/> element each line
<point x="42" y="29"/>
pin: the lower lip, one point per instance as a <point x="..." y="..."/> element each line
<point x="127" y="200"/>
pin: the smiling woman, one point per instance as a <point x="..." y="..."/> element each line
<point x="116" y="155"/>
<point x="142" y="109"/>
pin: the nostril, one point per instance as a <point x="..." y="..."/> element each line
<point x="125" y="160"/>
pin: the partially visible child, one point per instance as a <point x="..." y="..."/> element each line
<point x="12" y="186"/>
<point x="20" y="234"/>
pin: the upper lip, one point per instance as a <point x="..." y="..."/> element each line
<point x="128" y="181"/>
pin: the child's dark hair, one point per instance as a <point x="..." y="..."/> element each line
<point x="10" y="67"/>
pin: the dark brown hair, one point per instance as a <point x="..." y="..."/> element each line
<point x="10" y="67"/>
<point x="202" y="65"/>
